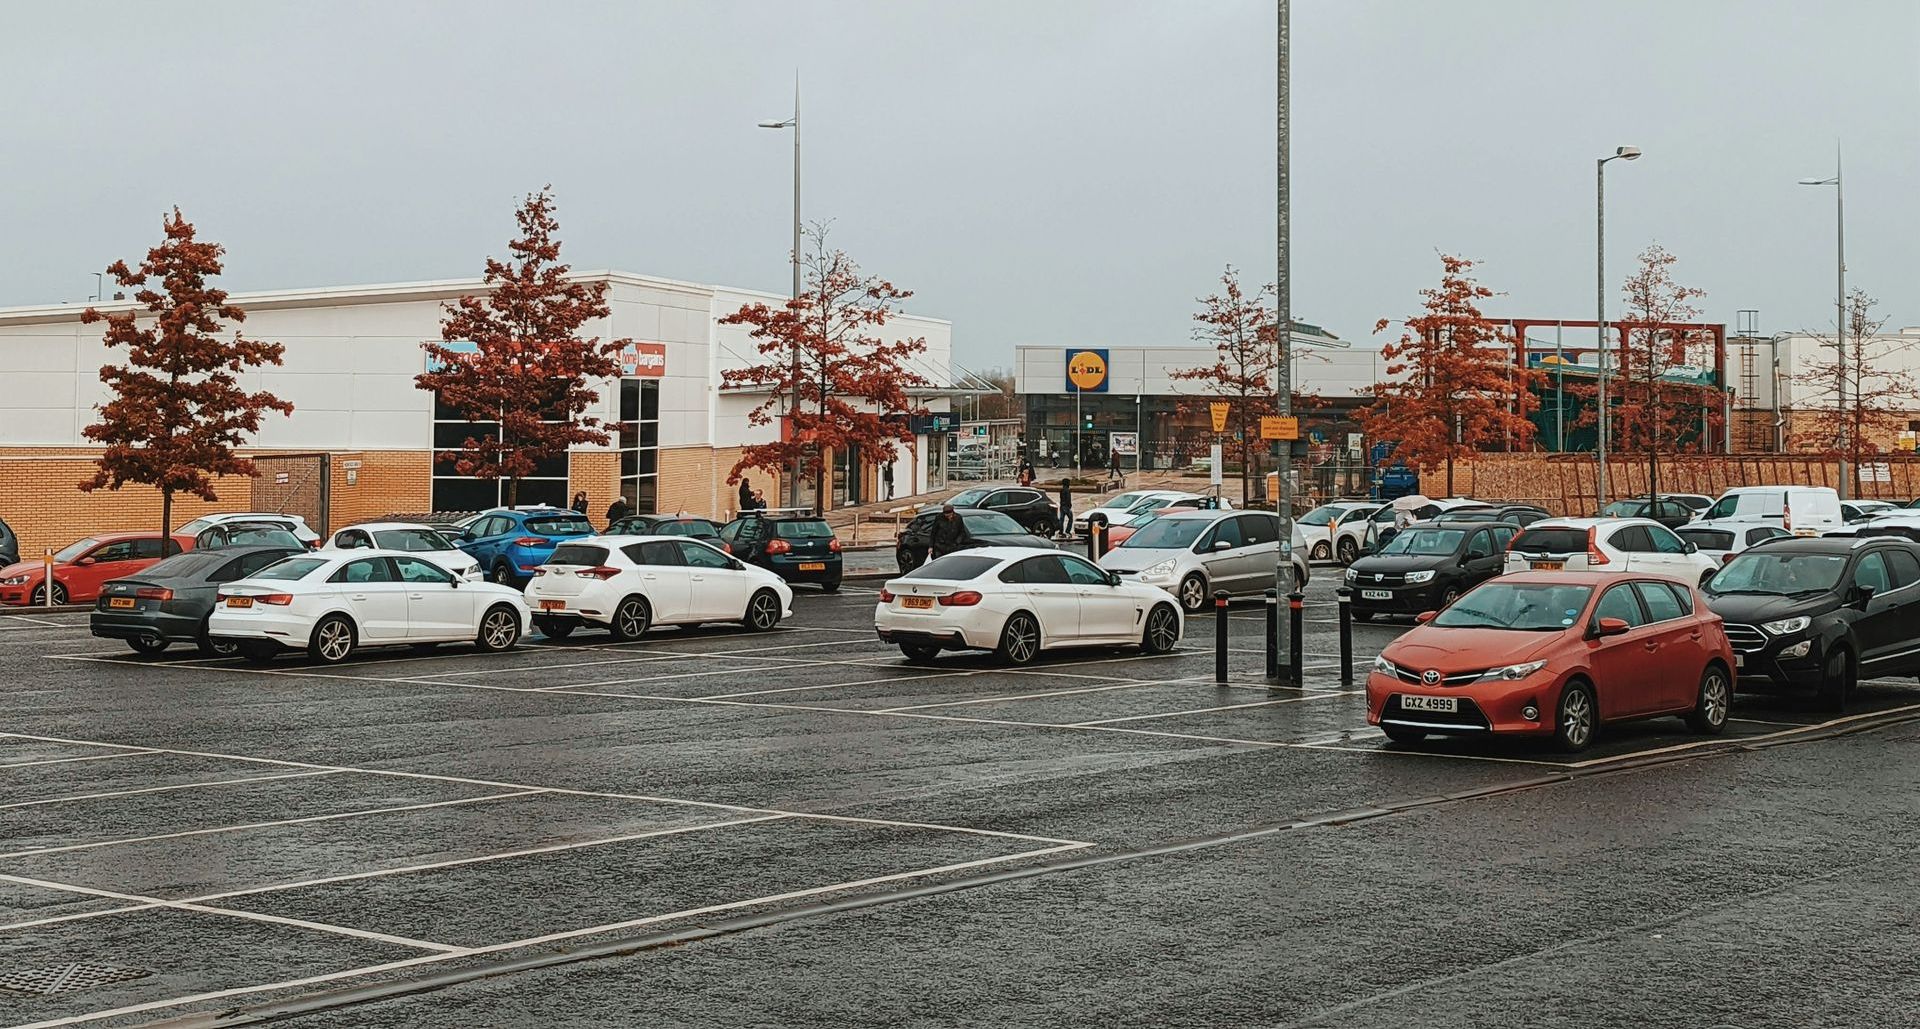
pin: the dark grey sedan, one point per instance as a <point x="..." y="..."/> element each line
<point x="169" y="602"/>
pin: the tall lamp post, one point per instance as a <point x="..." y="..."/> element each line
<point x="1625" y="153"/>
<point x="793" y="482"/>
<point x="1840" y="316"/>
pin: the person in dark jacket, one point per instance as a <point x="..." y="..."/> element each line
<point x="1066" y="508"/>
<point x="948" y="533"/>
<point x="580" y="502"/>
<point x="1113" y="464"/>
<point x="618" y="510"/>
<point x="746" y="495"/>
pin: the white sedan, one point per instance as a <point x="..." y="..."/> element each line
<point x="331" y="604"/>
<point x="412" y="537"/>
<point x="1017" y="602"/>
<point x="628" y="584"/>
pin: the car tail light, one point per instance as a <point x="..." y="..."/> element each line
<point x="964" y="598"/>
<point x="542" y="570"/>
<point x="1594" y="554"/>
<point x="602" y="572"/>
<point x="833" y="546"/>
<point x="779" y="547"/>
<point x="153" y="593"/>
<point x="886" y="595"/>
<point x="276" y="599"/>
<point x="532" y="541"/>
<point x="1786" y="514"/>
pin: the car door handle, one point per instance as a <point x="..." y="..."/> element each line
<point x="1652" y="645"/>
<point x="417" y="596"/>
<point x="359" y="596"/>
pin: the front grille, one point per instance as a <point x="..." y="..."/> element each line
<point x="1379" y="580"/>
<point x="1412" y="677"/>
<point x="1746" y="639"/>
<point x="1468" y="716"/>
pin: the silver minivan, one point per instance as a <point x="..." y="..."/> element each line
<point x="1193" y="553"/>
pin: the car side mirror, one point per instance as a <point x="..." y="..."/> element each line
<point x="1707" y="576"/>
<point x="1690" y="548"/>
<point x="1609" y="627"/>
<point x="1424" y="617"/>
<point x="1222" y="545"/>
<point x="83" y="562"/>
<point x="456" y="583"/>
<point x="1113" y="578"/>
<point x="1862" y="595"/>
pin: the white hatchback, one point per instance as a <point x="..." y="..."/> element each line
<point x="296" y="524"/>
<point x="1607" y="545"/>
<point x="1016" y="602"/>
<point x="412" y="537"/>
<point x="628" y="584"/>
<point x="331" y="604"/>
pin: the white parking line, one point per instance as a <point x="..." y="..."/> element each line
<point x="70" y="760"/>
<point x="1723" y="740"/>
<point x="1129" y="684"/>
<point x="158" y="789"/>
<point x="1210" y="710"/>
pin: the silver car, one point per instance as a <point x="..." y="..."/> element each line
<point x="1193" y="553"/>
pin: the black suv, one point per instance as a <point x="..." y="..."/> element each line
<point x="667" y="525"/>
<point x="795" y="545"/>
<point x="9" y="545"/>
<point x="978" y="529"/>
<point x="1426" y="565"/>
<point x="1522" y="515"/>
<point x="1023" y="504"/>
<point x="1817" y="613"/>
<point x="1668" y="512"/>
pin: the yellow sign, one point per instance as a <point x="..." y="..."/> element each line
<point x="1087" y="371"/>
<point x="1220" y="412"/>
<point x="1275" y="427"/>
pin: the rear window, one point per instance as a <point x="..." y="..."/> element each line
<point x="956" y="568"/>
<point x="1551" y="541"/>
<point x="560" y="525"/>
<point x="189" y="565"/>
<point x="578" y="554"/>
<point x="290" y="569"/>
<point x="704" y="530"/>
<point x="1708" y="539"/>
<point x="799" y="530"/>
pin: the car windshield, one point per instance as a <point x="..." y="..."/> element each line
<point x="1125" y="500"/>
<point x="688" y="527"/>
<point x="1471" y="514"/>
<point x="1168" y="534"/>
<point x="290" y="569"/>
<point x="956" y="568"/>
<point x="1424" y="542"/>
<point x="255" y="536"/>
<point x="74" y="550"/>
<point x="969" y="497"/>
<point x="1769" y="571"/>
<point x="190" y="565"/>
<point x="1525" y="607"/>
<point x="802" y="530"/>
<point x="418" y="540"/>
<point x="1320" y="516"/>
<point x="560" y="525"/>
<point x="991" y="523"/>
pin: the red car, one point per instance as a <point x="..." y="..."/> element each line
<point x="81" y="568"/>
<point x="1555" y="654"/>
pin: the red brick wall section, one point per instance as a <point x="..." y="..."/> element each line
<point x="1565" y="483"/>
<point x="597" y="472"/>
<point x="387" y="482"/>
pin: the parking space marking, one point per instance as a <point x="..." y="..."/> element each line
<point x="1128" y="684"/>
<point x="1210" y="710"/>
<point x="70" y="760"/>
<point x="1747" y="740"/>
<point x="157" y="789"/>
<point x="362" y="813"/>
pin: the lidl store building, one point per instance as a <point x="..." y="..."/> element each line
<point x="362" y="440"/>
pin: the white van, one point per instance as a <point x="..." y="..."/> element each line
<point x="1801" y="510"/>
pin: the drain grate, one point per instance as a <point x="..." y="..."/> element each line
<point x="49" y="979"/>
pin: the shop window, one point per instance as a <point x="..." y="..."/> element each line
<point x="638" y="439"/>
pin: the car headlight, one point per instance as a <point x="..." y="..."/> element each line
<point x="18" y="580"/>
<point x="1416" y="578"/>
<point x="1797" y="650"/>
<point x="1786" y="626"/>
<point x="1352" y="576"/>
<point x="1160" y="571"/>
<point x="1384" y="666"/>
<point x="1512" y="673"/>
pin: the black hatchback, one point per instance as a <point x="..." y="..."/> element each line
<point x="1425" y="566"/>
<point x="1814" y="614"/>
<point x="1024" y="504"/>
<point x="978" y="529"/>
<point x="168" y="602"/>
<point x="796" y="546"/>
<point x="668" y="525"/>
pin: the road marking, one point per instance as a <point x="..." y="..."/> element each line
<point x="1210" y="710"/>
<point x="161" y="789"/>
<point x="69" y="760"/>
<point x="1744" y="740"/>
<point x="1126" y="685"/>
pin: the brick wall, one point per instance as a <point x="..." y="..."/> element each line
<point x="598" y="473"/>
<point x="1565" y="484"/>
<point x="387" y="482"/>
<point x="694" y="480"/>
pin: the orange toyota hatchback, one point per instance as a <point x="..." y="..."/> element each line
<point x="1555" y="654"/>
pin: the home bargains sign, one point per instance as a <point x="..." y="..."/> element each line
<point x="646" y="360"/>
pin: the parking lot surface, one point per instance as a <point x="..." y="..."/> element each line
<point x="835" y="836"/>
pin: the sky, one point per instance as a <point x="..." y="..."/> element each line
<point x="1067" y="172"/>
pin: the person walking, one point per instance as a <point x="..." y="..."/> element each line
<point x="886" y="480"/>
<point x="746" y="494"/>
<point x="618" y="509"/>
<point x="948" y="533"/>
<point x="1113" y="463"/>
<point x="1026" y="474"/>
<point x="1066" y="508"/>
<point x="580" y="502"/>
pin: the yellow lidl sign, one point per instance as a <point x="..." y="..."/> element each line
<point x="1086" y="371"/>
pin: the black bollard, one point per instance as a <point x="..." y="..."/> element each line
<point x="1297" y="615"/>
<point x="1346" y="635"/>
<point x="1220" y="636"/>
<point x="1273" y="634"/>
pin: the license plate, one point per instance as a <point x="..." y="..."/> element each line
<point x="239" y="601"/>
<point x="918" y="603"/>
<point x="1376" y="594"/>
<point x="813" y="566"/>
<point x="1546" y="566"/>
<point x="553" y="605"/>
<point x="120" y="602"/>
<point x="1444" y="704"/>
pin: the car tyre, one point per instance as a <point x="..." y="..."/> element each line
<point x="554" y="630"/>
<point x="919" y="653"/>
<point x="906" y="560"/>
<point x="1710" y="706"/>
<point x="631" y="619"/>
<point x="212" y="646"/>
<point x="1162" y="631"/>
<point x="1348" y="551"/>
<point x="1320" y="552"/>
<point x="763" y="611"/>
<point x="500" y="574"/>
<point x="1575" y="718"/>
<point x="830" y="585"/>
<point x="499" y="630"/>
<point x="332" y="641"/>
<point x="40" y="594"/>
<point x="1406" y="736"/>
<point x="259" y="652"/>
<point x="1019" y="639"/>
<point x="1838" y="683"/>
<point x="1448" y="596"/>
<point x="147" y="646"/>
<point x="1193" y="593"/>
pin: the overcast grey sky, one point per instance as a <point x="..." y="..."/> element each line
<point x="1040" y="172"/>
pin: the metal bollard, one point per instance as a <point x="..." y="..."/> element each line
<point x="1273" y="634"/>
<point x="1220" y="636"/>
<point x="1297" y="616"/>
<point x="1346" y="635"/>
<point x="1093" y="540"/>
<point x="46" y="578"/>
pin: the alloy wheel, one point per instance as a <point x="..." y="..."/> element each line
<point x="631" y="620"/>
<point x="1020" y="640"/>
<point x="500" y="629"/>
<point x="334" y="640"/>
<point x="1193" y="593"/>
<point x="1713" y="699"/>
<point x="1576" y="718"/>
<point x="1163" y="630"/>
<point x="763" y="611"/>
<point x="59" y="594"/>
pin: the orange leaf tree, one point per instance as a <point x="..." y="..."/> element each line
<point x="1452" y="387"/>
<point x="1654" y="414"/>
<point x="1848" y="410"/>
<point x="825" y="344"/>
<point x="1244" y="374"/>
<point x="178" y="410"/>
<point x="514" y="363"/>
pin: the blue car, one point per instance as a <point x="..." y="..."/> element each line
<point x="510" y="544"/>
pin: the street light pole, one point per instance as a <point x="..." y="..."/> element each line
<point x="793" y="409"/>
<point x="1283" y="331"/>
<point x="1840" y="318"/>
<point x="1625" y="153"/>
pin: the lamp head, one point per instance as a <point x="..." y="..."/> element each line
<point x="784" y="123"/>
<point x="1627" y="153"/>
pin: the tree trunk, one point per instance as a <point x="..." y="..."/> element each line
<point x="1449" y="474"/>
<point x="513" y="491"/>
<point x="166" y="517"/>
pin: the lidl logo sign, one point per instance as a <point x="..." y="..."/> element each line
<point x="1086" y="371"/>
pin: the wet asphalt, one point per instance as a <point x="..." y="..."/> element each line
<point x="798" y="828"/>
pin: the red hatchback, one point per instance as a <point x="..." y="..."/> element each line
<point x="1555" y="654"/>
<point x="81" y="568"/>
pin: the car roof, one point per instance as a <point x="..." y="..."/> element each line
<point x="1834" y="544"/>
<point x="1577" y="578"/>
<point x="1589" y="523"/>
<point x="1191" y="514"/>
<point x="116" y="537"/>
<point x="385" y="525"/>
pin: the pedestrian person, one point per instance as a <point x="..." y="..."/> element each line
<point x="580" y="502"/>
<point x="948" y="533"/>
<point x="1113" y="463"/>
<point x="886" y="481"/>
<point x="1066" y="508"/>
<point x="758" y="501"/>
<point x="746" y="494"/>
<point x="1026" y="474"/>
<point x="618" y="509"/>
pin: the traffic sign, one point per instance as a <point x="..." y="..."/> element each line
<point x="1220" y="413"/>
